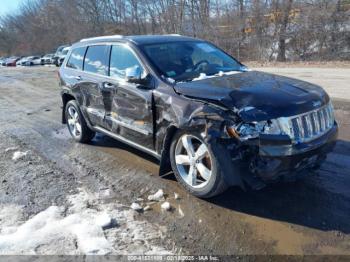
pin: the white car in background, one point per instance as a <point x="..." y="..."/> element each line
<point x="2" y="59"/>
<point x="62" y="55"/>
<point x="47" y="59"/>
<point x="56" y="57"/>
<point x="22" y="61"/>
<point x="33" y="60"/>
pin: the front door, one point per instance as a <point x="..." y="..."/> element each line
<point x="130" y="113"/>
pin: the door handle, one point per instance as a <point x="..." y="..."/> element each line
<point x="108" y="85"/>
<point x="78" y="78"/>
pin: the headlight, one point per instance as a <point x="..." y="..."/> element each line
<point x="272" y="127"/>
<point x="252" y="130"/>
<point x="299" y="128"/>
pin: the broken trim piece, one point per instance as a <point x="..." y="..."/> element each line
<point x="126" y="125"/>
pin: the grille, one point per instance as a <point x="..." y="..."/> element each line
<point x="313" y="124"/>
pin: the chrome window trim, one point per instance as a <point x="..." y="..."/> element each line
<point x="144" y="68"/>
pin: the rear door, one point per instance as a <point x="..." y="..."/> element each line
<point x="72" y="72"/>
<point x="92" y="83"/>
<point x="129" y="113"/>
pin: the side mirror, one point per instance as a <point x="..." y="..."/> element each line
<point x="133" y="74"/>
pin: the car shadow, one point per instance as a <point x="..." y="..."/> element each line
<point x="313" y="201"/>
<point x="102" y="140"/>
<point x="320" y="200"/>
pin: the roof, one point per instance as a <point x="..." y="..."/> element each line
<point x="151" y="39"/>
<point x="139" y="39"/>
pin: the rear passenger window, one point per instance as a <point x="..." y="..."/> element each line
<point x="96" y="59"/>
<point x="76" y="58"/>
<point x="121" y="59"/>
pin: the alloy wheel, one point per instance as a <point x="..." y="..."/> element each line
<point x="193" y="161"/>
<point x="74" y="122"/>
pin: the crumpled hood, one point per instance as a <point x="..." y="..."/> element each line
<point x="257" y="95"/>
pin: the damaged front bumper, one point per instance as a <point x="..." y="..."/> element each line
<point x="276" y="157"/>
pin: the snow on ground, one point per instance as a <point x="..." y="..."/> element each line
<point x="13" y="148"/>
<point x="158" y="196"/>
<point x="166" y="206"/>
<point x="19" y="155"/>
<point x="86" y="225"/>
<point x="136" y="206"/>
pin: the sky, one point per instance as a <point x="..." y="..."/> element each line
<point x="9" y="6"/>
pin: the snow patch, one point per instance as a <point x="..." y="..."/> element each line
<point x="166" y="206"/>
<point x="10" y="149"/>
<point x="19" y="155"/>
<point x="202" y="76"/>
<point x="221" y="73"/>
<point x="10" y="216"/>
<point x="136" y="206"/>
<point x="103" y="220"/>
<point x="158" y="196"/>
<point x="49" y="224"/>
<point x="85" y="226"/>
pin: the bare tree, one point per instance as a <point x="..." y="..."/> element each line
<point x="248" y="29"/>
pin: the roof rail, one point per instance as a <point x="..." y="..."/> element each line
<point x="101" y="37"/>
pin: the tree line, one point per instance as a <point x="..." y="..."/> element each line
<point x="261" y="30"/>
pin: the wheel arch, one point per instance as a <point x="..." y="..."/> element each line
<point x="165" y="166"/>
<point x="66" y="97"/>
<point x="232" y="178"/>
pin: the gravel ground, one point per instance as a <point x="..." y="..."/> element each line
<point x="310" y="216"/>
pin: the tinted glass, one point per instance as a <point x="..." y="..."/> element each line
<point x="121" y="59"/>
<point x="96" y="59"/>
<point x="185" y="61"/>
<point x="76" y="59"/>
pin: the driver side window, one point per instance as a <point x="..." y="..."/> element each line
<point x="122" y="58"/>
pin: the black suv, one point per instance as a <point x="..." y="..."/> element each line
<point x="202" y="113"/>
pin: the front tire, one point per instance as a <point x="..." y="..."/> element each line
<point x="76" y="123"/>
<point x="196" y="164"/>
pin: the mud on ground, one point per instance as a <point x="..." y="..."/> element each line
<point x="310" y="216"/>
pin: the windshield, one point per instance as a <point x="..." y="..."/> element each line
<point x="184" y="61"/>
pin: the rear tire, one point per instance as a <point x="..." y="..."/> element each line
<point x="199" y="172"/>
<point x="76" y="123"/>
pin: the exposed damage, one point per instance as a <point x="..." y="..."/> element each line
<point x="269" y="146"/>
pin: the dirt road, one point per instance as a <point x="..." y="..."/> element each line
<point x="305" y="217"/>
